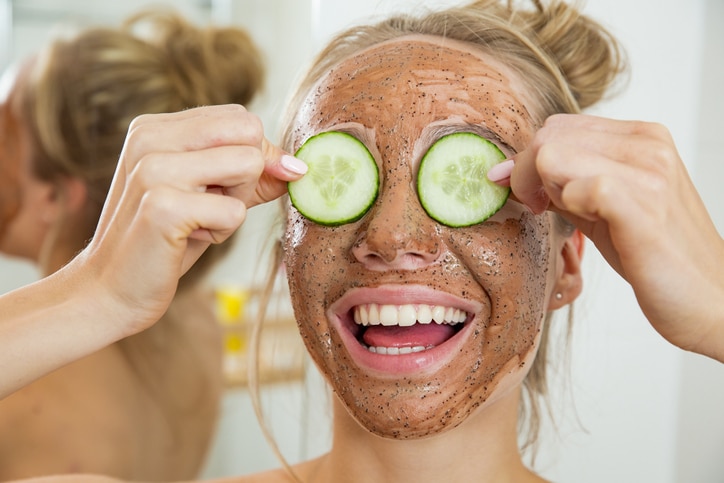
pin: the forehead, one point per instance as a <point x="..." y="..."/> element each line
<point x="401" y="86"/>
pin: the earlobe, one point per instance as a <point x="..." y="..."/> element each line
<point x="75" y="193"/>
<point x="64" y="197"/>
<point x="569" y="284"/>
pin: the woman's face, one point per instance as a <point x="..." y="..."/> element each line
<point x="398" y="98"/>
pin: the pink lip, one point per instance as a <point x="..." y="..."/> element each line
<point x="426" y="361"/>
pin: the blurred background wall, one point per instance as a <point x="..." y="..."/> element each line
<point x="630" y="408"/>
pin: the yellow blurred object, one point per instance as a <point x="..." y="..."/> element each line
<point x="230" y="303"/>
<point x="281" y="353"/>
<point x="234" y="343"/>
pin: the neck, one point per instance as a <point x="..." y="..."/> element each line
<point x="482" y="449"/>
<point x="53" y="259"/>
<point x="61" y="244"/>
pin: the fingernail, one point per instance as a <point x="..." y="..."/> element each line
<point x="293" y="164"/>
<point x="501" y="171"/>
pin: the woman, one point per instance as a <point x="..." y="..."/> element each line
<point x="449" y="411"/>
<point x="144" y="408"/>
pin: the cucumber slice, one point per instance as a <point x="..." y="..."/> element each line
<point x="452" y="181"/>
<point x="341" y="183"/>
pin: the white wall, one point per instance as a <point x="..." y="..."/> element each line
<point x="634" y="408"/>
<point x="701" y="396"/>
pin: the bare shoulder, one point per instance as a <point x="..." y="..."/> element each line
<point x="79" y="395"/>
<point x="273" y="476"/>
<point x="69" y="479"/>
<point x="306" y="471"/>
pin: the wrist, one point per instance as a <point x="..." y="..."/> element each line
<point x="711" y="344"/>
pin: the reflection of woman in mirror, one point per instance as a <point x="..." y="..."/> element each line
<point x="417" y="399"/>
<point x="144" y="408"/>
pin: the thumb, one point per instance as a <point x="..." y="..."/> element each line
<point x="280" y="164"/>
<point x="279" y="168"/>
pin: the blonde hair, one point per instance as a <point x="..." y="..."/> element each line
<point x="566" y="61"/>
<point x="10" y="149"/>
<point x="84" y="91"/>
<point x="76" y="103"/>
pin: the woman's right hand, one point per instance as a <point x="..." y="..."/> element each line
<point x="184" y="180"/>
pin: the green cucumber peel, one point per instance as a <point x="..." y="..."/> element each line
<point x="452" y="181"/>
<point x="342" y="181"/>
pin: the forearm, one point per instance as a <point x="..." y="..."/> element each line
<point x="712" y="311"/>
<point x="48" y="324"/>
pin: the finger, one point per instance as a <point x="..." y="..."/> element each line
<point x="632" y="142"/>
<point x="189" y="130"/>
<point x="206" y="127"/>
<point x="182" y="216"/>
<point x="279" y="169"/>
<point x="280" y="164"/>
<point x="559" y="164"/>
<point x="265" y="175"/>
<point x="566" y="122"/>
<point x="186" y="114"/>
<point x="526" y="183"/>
<point x="622" y="218"/>
<point x="224" y="166"/>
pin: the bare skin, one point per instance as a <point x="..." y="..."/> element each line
<point x="625" y="187"/>
<point x="144" y="408"/>
<point x="358" y="455"/>
<point x="419" y="416"/>
<point x="98" y="299"/>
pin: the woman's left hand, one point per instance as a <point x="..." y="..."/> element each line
<point x="623" y="184"/>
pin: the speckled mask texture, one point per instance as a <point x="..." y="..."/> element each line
<point x="398" y="98"/>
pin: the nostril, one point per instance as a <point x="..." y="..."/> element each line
<point x="397" y="235"/>
<point x="410" y="257"/>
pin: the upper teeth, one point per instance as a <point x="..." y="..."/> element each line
<point x="407" y="315"/>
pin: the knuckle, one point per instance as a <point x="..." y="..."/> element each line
<point x="602" y="189"/>
<point x="149" y="170"/>
<point x="550" y="130"/>
<point x="662" y="158"/>
<point x="255" y="128"/>
<point x="555" y="120"/>
<point x="539" y="140"/>
<point x="140" y="121"/>
<point x="252" y="161"/>
<point x="238" y="107"/>
<point x="546" y="158"/>
<point x="653" y="130"/>
<point x="140" y="134"/>
<point x="657" y="185"/>
<point x="156" y="204"/>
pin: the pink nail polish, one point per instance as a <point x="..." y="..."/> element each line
<point x="293" y="164"/>
<point x="501" y="171"/>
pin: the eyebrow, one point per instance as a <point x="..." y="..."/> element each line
<point x="357" y="130"/>
<point x="435" y="132"/>
<point x="431" y="133"/>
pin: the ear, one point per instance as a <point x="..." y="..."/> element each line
<point x="569" y="282"/>
<point x="66" y="197"/>
<point x="72" y="193"/>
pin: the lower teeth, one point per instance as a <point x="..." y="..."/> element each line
<point x="394" y="351"/>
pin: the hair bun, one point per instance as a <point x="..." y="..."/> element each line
<point x="588" y="56"/>
<point x="206" y="65"/>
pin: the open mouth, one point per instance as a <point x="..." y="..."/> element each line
<point x="404" y="329"/>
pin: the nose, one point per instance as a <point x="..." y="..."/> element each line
<point x="399" y="234"/>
